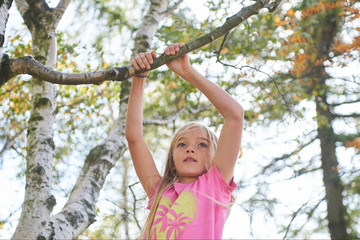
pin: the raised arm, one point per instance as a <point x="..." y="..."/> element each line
<point x="230" y="137"/>
<point x="140" y="154"/>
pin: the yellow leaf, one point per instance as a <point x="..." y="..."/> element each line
<point x="290" y="12"/>
<point x="224" y="51"/>
<point x="277" y="19"/>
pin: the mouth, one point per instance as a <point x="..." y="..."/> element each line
<point x="189" y="159"/>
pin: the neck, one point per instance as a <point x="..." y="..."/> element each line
<point x="187" y="179"/>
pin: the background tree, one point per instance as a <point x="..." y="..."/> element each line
<point x="311" y="47"/>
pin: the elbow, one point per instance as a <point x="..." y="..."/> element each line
<point x="133" y="133"/>
<point x="129" y="134"/>
<point x="237" y="113"/>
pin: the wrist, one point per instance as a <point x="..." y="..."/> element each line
<point x="141" y="75"/>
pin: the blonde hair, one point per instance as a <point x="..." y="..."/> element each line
<point x="170" y="176"/>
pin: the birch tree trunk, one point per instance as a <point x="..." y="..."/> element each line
<point x="4" y="14"/>
<point x="39" y="202"/>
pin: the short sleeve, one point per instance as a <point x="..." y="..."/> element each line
<point x="218" y="185"/>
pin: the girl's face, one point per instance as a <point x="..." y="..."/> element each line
<point x="191" y="155"/>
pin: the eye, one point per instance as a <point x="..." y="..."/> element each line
<point x="181" y="145"/>
<point x="202" y="145"/>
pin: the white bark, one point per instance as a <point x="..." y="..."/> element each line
<point x="39" y="201"/>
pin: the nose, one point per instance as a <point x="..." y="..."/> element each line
<point x="190" y="149"/>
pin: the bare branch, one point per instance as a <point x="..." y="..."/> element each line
<point x="309" y="215"/>
<point x="10" y="142"/>
<point x="163" y="121"/>
<point x="134" y="204"/>
<point x="172" y="9"/>
<point x="286" y="156"/>
<point x="173" y="117"/>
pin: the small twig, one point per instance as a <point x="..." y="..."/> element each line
<point x="221" y="47"/>
<point x="134" y="204"/>
<point x="172" y="9"/>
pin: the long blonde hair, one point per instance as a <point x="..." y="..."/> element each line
<point x="170" y="176"/>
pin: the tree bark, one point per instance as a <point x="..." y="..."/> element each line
<point x="4" y="15"/>
<point x="333" y="186"/>
<point x="39" y="202"/>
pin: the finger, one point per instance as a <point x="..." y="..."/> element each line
<point x="167" y="51"/>
<point x="141" y="60"/>
<point x="149" y="58"/>
<point x="145" y="58"/>
<point x="134" y="64"/>
<point x="178" y="46"/>
<point x="171" y="48"/>
<point x="153" y="54"/>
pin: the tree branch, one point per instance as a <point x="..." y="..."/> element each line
<point x="352" y="115"/>
<point x="10" y="142"/>
<point x="342" y="103"/>
<point x="60" y="8"/>
<point x="286" y="156"/>
<point x="172" y="9"/>
<point x="38" y="5"/>
<point x="29" y="65"/>
<point x="164" y="121"/>
<point x="309" y="215"/>
<point x="34" y="68"/>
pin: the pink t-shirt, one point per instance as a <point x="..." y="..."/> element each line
<point x="193" y="210"/>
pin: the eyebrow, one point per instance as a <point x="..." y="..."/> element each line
<point x="202" y="138"/>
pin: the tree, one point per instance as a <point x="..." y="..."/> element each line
<point x="307" y="41"/>
<point x="36" y="219"/>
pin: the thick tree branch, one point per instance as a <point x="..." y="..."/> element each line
<point x="60" y="8"/>
<point x="29" y="65"/>
<point x="342" y="103"/>
<point x="38" y="5"/>
<point x="32" y="67"/>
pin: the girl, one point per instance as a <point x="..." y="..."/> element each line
<point x="190" y="201"/>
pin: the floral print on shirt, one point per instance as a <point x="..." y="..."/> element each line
<point x="172" y="217"/>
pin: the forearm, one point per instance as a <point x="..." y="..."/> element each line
<point x="134" y="118"/>
<point x="223" y="102"/>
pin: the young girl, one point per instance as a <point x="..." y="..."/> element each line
<point x="191" y="200"/>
